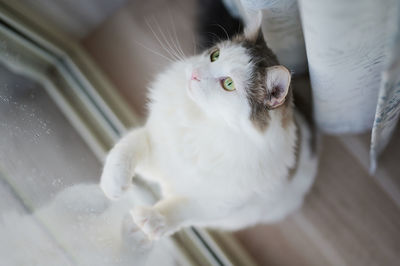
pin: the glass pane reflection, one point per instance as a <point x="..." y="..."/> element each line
<point x="51" y="209"/>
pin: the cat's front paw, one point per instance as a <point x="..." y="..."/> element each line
<point x="134" y="238"/>
<point x="115" y="180"/>
<point x="150" y="221"/>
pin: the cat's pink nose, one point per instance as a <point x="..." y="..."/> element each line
<point x="195" y="75"/>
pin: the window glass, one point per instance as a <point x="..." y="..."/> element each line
<point x="52" y="211"/>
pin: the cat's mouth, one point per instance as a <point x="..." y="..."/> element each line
<point x="191" y="87"/>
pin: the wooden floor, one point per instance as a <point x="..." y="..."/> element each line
<point x="349" y="218"/>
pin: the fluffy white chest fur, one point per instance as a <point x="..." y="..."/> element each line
<point x="221" y="139"/>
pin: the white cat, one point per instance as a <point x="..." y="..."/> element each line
<point x="222" y="140"/>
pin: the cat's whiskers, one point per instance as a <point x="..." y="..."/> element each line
<point x="175" y="45"/>
<point x="226" y="33"/>
<point x="173" y="56"/>
<point x="176" y="35"/>
<point x="169" y="41"/>
<point x="158" y="39"/>
<point x="218" y="38"/>
<point x="194" y="44"/>
<point x="176" y="53"/>
<point x="154" y="52"/>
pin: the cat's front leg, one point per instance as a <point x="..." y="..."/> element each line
<point x="121" y="162"/>
<point x="171" y="214"/>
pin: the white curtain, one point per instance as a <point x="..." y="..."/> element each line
<point x="353" y="58"/>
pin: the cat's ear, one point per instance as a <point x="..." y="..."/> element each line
<point x="277" y="85"/>
<point x="253" y="25"/>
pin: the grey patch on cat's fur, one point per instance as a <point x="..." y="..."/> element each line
<point x="261" y="57"/>
<point x="297" y="150"/>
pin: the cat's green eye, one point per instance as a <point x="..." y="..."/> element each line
<point x="228" y="84"/>
<point x="214" y="55"/>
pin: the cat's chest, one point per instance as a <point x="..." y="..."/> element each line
<point x="211" y="150"/>
<point x="207" y="161"/>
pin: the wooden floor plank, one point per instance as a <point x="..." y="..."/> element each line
<point x="387" y="174"/>
<point x="390" y="158"/>
<point x="281" y="244"/>
<point x="354" y="214"/>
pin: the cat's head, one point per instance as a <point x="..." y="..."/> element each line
<point x="240" y="79"/>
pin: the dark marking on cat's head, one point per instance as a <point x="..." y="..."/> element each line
<point x="261" y="58"/>
<point x="215" y="23"/>
<point x="258" y="95"/>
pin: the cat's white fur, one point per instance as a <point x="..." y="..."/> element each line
<point x="215" y="167"/>
<point x="80" y="226"/>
